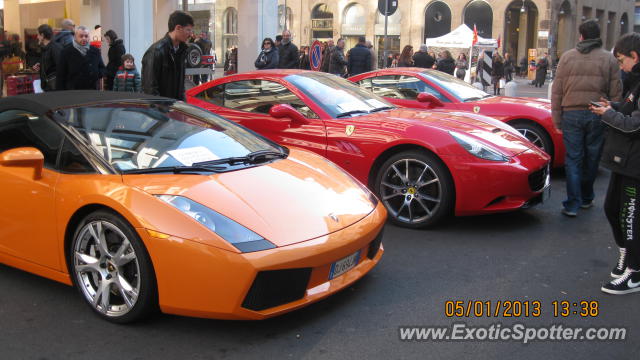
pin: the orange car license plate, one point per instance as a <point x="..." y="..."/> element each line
<point x="343" y="265"/>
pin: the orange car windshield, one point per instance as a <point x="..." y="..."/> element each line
<point x="145" y="135"/>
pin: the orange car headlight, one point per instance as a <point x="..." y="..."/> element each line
<point x="237" y="235"/>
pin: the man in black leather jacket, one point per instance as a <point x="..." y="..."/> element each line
<point x="163" y="64"/>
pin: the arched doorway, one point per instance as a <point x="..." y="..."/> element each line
<point x="480" y="14"/>
<point x="521" y="25"/>
<point x="353" y="25"/>
<point x="229" y="28"/>
<point x="321" y="23"/>
<point x="437" y="20"/>
<point x="285" y="18"/>
<point x="393" y="35"/>
<point x="624" y="24"/>
<point x="565" y="26"/>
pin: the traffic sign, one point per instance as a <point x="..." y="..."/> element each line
<point x="315" y="55"/>
<point x="391" y="7"/>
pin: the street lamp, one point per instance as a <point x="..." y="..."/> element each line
<point x="522" y="9"/>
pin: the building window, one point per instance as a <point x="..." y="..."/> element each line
<point x="437" y="20"/>
<point x="284" y="21"/>
<point x="624" y="24"/>
<point x="479" y="13"/>
<point x="353" y="25"/>
<point x="321" y="22"/>
<point x="354" y="14"/>
<point x="229" y="28"/>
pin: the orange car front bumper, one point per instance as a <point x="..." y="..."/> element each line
<point x="198" y="280"/>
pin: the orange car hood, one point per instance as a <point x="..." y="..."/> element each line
<point x="286" y="201"/>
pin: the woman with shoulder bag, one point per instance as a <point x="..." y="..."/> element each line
<point x="268" y="57"/>
<point x="621" y="154"/>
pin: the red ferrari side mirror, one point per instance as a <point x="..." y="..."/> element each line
<point x="24" y="157"/>
<point x="280" y="111"/>
<point x="429" y="98"/>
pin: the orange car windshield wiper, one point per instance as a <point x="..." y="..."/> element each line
<point x="175" y="169"/>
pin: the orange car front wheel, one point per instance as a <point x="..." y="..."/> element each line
<point x="111" y="268"/>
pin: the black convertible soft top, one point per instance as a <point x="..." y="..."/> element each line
<point x="45" y="102"/>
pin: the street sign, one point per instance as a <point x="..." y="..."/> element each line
<point x="391" y="9"/>
<point x="315" y="55"/>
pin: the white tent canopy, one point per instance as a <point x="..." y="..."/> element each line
<point x="461" y="37"/>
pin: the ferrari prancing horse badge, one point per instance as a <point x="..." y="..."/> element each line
<point x="349" y="130"/>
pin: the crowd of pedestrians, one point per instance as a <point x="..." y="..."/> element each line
<point x="338" y="60"/>
<point x="69" y="60"/>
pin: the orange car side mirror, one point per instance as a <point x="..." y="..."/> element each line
<point x="429" y="98"/>
<point x="280" y="111"/>
<point x="24" y="157"/>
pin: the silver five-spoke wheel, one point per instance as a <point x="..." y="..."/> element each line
<point x="415" y="188"/>
<point x="107" y="268"/>
<point x="110" y="268"/>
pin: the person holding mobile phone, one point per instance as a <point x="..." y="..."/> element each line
<point x="621" y="155"/>
<point x="584" y="74"/>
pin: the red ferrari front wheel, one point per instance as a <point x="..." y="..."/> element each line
<point x="416" y="188"/>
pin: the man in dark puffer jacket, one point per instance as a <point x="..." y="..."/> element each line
<point x="359" y="58"/>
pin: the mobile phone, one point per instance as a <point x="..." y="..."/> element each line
<point x="596" y="104"/>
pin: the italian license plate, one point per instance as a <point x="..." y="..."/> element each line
<point x="343" y="265"/>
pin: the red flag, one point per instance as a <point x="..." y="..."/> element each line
<point x="475" y="35"/>
<point x="498" y="41"/>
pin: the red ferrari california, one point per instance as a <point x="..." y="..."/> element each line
<point x="424" y="165"/>
<point x="431" y="89"/>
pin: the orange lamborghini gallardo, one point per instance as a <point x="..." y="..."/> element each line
<point x="145" y="203"/>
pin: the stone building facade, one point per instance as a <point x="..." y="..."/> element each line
<point x="547" y="25"/>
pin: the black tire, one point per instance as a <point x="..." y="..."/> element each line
<point x="125" y="270"/>
<point x="536" y="134"/>
<point x="194" y="56"/>
<point x="426" y="198"/>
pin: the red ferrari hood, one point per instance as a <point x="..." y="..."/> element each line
<point x="489" y="130"/>
<point x="287" y="201"/>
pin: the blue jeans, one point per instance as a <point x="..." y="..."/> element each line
<point x="583" y="136"/>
